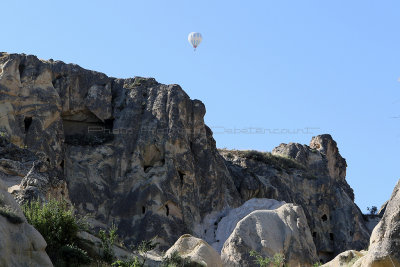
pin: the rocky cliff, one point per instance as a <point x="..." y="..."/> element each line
<point x="311" y="176"/>
<point x="137" y="153"/>
<point x="20" y="243"/>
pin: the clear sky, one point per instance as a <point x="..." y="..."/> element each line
<point x="331" y="65"/>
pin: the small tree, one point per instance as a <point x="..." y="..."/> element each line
<point x="107" y="242"/>
<point x="372" y="210"/>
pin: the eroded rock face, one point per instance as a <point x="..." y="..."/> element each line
<point x="345" y="259"/>
<point x="196" y="250"/>
<point x="228" y="223"/>
<point x="336" y="223"/>
<point x="131" y="151"/>
<point x="21" y="245"/>
<point x="384" y="247"/>
<point x="283" y="230"/>
<point x="137" y="153"/>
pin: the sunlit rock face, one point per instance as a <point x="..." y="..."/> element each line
<point x="20" y="243"/>
<point x="269" y="232"/>
<point x="311" y="176"/>
<point x="132" y="151"/>
<point x="137" y="153"/>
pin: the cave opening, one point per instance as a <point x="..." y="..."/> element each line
<point x="143" y="209"/>
<point x="21" y="69"/>
<point x="147" y="168"/>
<point x="181" y="176"/>
<point x="331" y="236"/>
<point x="167" y="208"/>
<point x="324" y="217"/>
<point x="62" y="164"/>
<point x="27" y="123"/>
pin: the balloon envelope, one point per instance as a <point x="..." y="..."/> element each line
<point x="195" y="39"/>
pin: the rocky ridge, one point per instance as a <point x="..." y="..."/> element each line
<point x="137" y="153"/>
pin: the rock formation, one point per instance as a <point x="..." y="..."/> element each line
<point x="227" y="224"/>
<point x="310" y="176"/>
<point x="384" y="246"/>
<point x="137" y="153"/>
<point x="345" y="259"/>
<point x="133" y="151"/>
<point x="21" y="245"/>
<point x="197" y="250"/>
<point x="269" y="232"/>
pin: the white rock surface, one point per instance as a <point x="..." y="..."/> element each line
<point x="228" y="223"/>
<point x="345" y="259"/>
<point x="197" y="249"/>
<point x="284" y="230"/>
<point x="21" y="245"/>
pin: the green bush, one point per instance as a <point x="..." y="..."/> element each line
<point x="175" y="260"/>
<point x="58" y="226"/>
<point x="71" y="255"/>
<point x="107" y="242"/>
<point x="277" y="260"/>
<point x="128" y="263"/>
<point x="142" y="248"/>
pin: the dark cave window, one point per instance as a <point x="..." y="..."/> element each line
<point x="331" y="236"/>
<point x="181" y="176"/>
<point x="191" y="146"/>
<point x="143" y="209"/>
<point x="21" y="69"/>
<point x="147" y="168"/>
<point x="324" y="217"/>
<point x="27" y="123"/>
<point x="62" y="164"/>
<point x="167" y="208"/>
<point x="314" y="234"/>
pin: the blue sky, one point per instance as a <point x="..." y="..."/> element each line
<point x="331" y="65"/>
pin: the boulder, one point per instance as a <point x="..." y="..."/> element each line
<point x="345" y="259"/>
<point x="384" y="247"/>
<point x="197" y="250"/>
<point x="228" y="223"/>
<point x="268" y="232"/>
<point x="21" y="245"/>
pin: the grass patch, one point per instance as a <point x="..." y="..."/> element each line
<point x="279" y="162"/>
<point x="175" y="260"/>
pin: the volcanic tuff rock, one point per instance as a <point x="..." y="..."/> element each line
<point x="301" y="174"/>
<point x="384" y="246"/>
<point x="132" y="151"/>
<point x="283" y="230"/>
<point x="228" y="223"/>
<point x="345" y="259"/>
<point x="21" y="245"/>
<point x="137" y="153"/>
<point x="197" y="250"/>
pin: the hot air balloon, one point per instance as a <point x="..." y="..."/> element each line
<point x="194" y="39"/>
